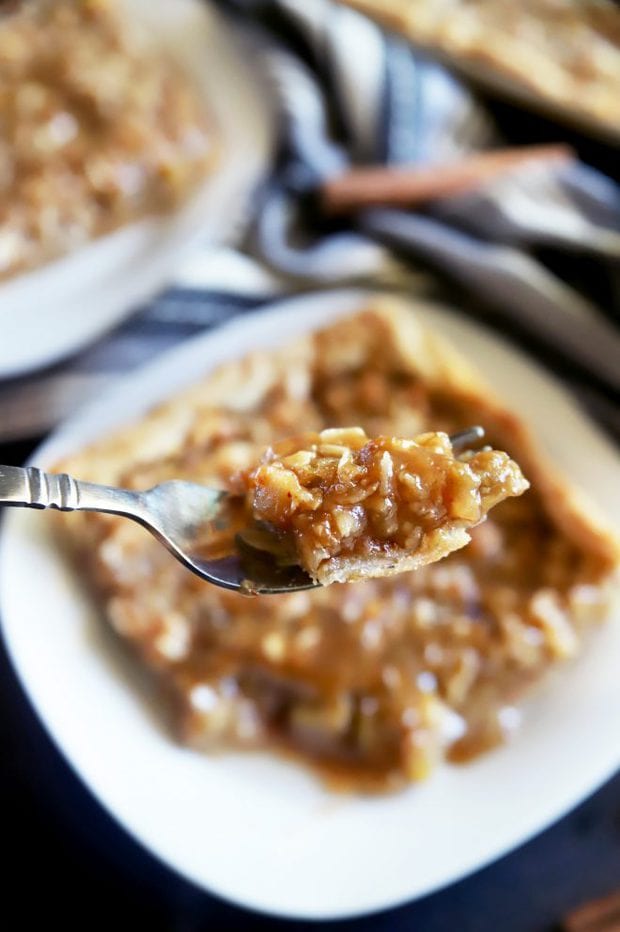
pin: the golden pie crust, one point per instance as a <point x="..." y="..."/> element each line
<point x="566" y="53"/>
<point x="371" y="682"/>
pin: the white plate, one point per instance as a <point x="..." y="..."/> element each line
<point x="261" y="831"/>
<point x="52" y="311"/>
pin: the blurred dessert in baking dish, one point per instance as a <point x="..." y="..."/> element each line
<point x="97" y="128"/>
<point x="566" y="53"/>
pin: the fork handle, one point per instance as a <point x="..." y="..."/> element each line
<point x="30" y="487"/>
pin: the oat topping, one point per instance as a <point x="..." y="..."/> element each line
<point x="345" y="507"/>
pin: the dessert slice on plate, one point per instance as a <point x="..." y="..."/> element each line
<point x="346" y="507"/>
<point x="376" y="681"/>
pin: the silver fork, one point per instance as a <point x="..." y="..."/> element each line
<point x="179" y="514"/>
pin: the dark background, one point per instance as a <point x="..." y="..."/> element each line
<point x="69" y="865"/>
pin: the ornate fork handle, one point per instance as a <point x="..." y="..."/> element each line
<point x="30" y="487"/>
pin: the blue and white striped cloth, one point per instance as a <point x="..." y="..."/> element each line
<point x="348" y="94"/>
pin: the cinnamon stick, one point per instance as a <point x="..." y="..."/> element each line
<point x="601" y="915"/>
<point x="392" y="186"/>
